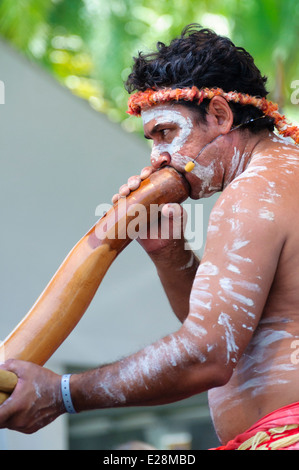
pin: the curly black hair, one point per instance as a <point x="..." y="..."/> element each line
<point x="200" y="57"/>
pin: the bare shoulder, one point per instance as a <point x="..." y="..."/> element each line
<point x="254" y="214"/>
<point x="267" y="190"/>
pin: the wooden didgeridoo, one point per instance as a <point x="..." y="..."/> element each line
<point x="69" y="293"/>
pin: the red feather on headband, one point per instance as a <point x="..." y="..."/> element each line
<point x="150" y="97"/>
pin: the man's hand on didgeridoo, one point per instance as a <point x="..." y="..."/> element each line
<point x="36" y="400"/>
<point x="133" y="183"/>
<point x="169" y="229"/>
<point x="167" y="232"/>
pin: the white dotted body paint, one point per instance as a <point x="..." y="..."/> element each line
<point x="231" y="347"/>
<point x="266" y="214"/>
<point x="235" y="257"/>
<point x="233" y="269"/>
<point x="228" y="286"/>
<point x="37" y="390"/>
<point x="209" y="269"/>
<point x="194" y="328"/>
<point x="237" y="165"/>
<point x="107" y="386"/>
<point x="152" y="363"/>
<point x="201" y="296"/>
<point x="265" y="367"/>
<point x="268" y="371"/>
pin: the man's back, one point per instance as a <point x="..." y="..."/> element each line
<point x="265" y="198"/>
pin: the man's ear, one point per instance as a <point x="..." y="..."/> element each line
<point x="221" y="114"/>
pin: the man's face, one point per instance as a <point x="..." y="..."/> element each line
<point x="177" y="137"/>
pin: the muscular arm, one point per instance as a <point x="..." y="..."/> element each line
<point x="164" y="372"/>
<point x="174" y="260"/>
<point x="176" y="269"/>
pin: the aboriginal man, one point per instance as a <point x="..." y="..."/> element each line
<point x="203" y="102"/>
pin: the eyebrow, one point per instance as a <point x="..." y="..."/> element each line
<point x="156" y="128"/>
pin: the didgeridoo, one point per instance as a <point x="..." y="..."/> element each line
<point x="69" y="293"/>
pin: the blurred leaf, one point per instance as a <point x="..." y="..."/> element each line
<point x="88" y="45"/>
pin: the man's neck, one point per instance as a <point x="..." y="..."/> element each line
<point x="243" y="148"/>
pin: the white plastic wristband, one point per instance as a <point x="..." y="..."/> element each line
<point x="66" y="394"/>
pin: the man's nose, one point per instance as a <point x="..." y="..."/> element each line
<point x="162" y="159"/>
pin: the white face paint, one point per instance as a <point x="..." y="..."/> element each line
<point x="210" y="173"/>
<point x="167" y="116"/>
<point x="206" y="174"/>
<point x="163" y="115"/>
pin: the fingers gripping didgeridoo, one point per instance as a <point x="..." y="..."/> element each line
<point x="69" y="293"/>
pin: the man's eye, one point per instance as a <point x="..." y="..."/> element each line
<point x="165" y="132"/>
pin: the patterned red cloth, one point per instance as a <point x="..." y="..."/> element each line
<point x="288" y="415"/>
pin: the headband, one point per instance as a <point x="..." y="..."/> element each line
<point x="150" y="97"/>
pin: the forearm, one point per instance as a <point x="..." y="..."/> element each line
<point x="176" y="268"/>
<point x="167" y="371"/>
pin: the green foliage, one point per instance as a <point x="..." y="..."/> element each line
<point x="88" y="45"/>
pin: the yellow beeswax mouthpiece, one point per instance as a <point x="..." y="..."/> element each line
<point x="189" y="167"/>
